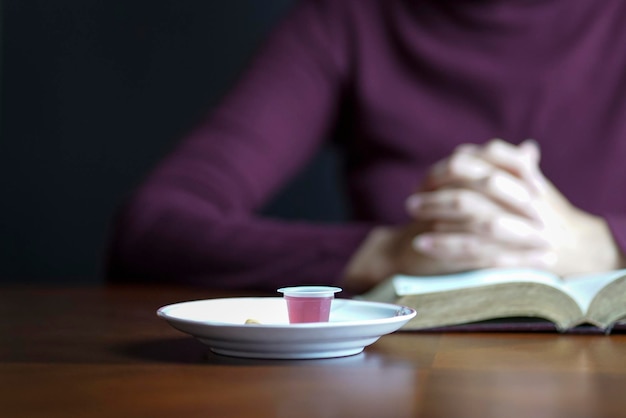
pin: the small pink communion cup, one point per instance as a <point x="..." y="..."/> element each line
<point x="309" y="303"/>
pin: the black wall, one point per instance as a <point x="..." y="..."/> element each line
<point x="93" y="94"/>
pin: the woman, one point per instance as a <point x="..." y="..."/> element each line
<point x="411" y="81"/>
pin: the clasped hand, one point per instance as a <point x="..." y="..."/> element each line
<point x="483" y="207"/>
<point x="491" y="206"/>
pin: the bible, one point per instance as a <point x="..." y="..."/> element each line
<point x="597" y="300"/>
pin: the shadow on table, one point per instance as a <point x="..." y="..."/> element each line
<point x="191" y="351"/>
<point x="169" y="350"/>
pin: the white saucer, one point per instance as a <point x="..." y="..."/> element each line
<point x="220" y="324"/>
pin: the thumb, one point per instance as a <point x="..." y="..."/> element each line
<point x="530" y="148"/>
<point x="532" y="174"/>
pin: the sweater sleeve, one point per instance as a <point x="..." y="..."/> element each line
<point x="194" y="219"/>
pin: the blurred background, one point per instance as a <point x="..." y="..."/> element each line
<point x="93" y="94"/>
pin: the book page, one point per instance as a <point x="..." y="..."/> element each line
<point x="407" y="285"/>
<point x="583" y="288"/>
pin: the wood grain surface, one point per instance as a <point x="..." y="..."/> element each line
<point x="102" y="352"/>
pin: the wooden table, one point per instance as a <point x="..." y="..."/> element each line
<point x="102" y="352"/>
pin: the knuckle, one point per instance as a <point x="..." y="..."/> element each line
<point x="495" y="145"/>
<point x="464" y="201"/>
<point x="491" y="183"/>
<point x="488" y="227"/>
<point x="471" y="246"/>
<point x="455" y="163"/>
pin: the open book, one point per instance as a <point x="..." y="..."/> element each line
<point x="597" y="299"/>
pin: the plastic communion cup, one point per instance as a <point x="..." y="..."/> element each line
<point x="309" y="303"/>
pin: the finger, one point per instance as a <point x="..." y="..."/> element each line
<point x="454" y="246"/>
<point x="460" y="167"/>
<point x="507" y="156"/>
<point x="498" y="169"/>
<point x="505" y="229"/>
<point x="467" y="148"/>
<point x="472" y="162"/>
<point x="451" y="205"/>
<point x="542" y="259"/>
<point x="497" y="192"/>
<point x="474" y="251"/>
<point x="510" y="192"/>
<point x="450" y="255"/>
<point x="520" y="161"/>
<point x="531" y="148"/>
<point x="534" y="176"/>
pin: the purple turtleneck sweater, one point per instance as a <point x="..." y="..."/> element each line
<point x="411" y="79"/>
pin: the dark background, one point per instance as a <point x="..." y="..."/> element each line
<point x="94" y="93"/>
